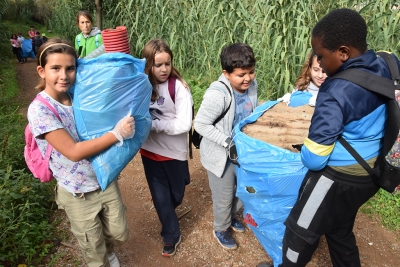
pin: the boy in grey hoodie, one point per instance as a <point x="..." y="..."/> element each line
<point x="234" y="92"/>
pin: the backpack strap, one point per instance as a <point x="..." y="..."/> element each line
<point x="79" y="39"/>
<point x="96" y="39"/>
<point x="45" y="102"/>
<point x="393" y="67"/>
<point x="355" y="154"/>
<point x="369" y="81"/>
<point x="171" y="90"/>
<point x="171" y="87"/>
<point x="382" y="86"/>
<point x="223" y="114"/>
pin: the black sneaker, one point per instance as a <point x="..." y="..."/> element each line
<point x="170" y="249"/>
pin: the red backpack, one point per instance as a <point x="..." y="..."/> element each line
<point x="38" y="165"/>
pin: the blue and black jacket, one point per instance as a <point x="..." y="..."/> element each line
<point x="344" y="108"/>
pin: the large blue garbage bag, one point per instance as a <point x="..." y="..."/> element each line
<point x="268" y="181"/>
<point x="27" y="49"/>
<point x="108" y="88"/>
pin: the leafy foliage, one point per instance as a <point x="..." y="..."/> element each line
<point x="63" y="20"/>
<point x="24" y="202"/>
<point x="387" y="206"/>
<point x="21" y="10"/>
<point x="24" y="212"/>
<point x="278" y="31"/>
<point x="3" y="7"/>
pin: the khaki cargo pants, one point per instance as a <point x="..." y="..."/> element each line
<point x="97" y="220"/>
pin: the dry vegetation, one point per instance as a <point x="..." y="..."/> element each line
<point x="282" y="126"/>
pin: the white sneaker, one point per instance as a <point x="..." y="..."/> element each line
<point x="113" y="260"/>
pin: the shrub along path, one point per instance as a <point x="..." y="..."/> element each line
<point x="378" y="246"/>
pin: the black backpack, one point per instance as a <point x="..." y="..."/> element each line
<point x="384" y="174"/>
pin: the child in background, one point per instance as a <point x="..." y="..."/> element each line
<point x="336" y="186"/>
<point x="44" y="37"/>
<point x="238" y="76"/>
<point x="311" y="76"/>
<point x="20" y="37"/>
<point x="32" y="32"/>
<point x="164" y="154"/>
<point x="90" y="38"/>
<point x="38" y="41"/>
<point x="97" y="218"/>
<point x="307" y="85"/>
<point x="16" y="48"/>
<point x="309" y="81"/>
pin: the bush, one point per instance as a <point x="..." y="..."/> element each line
<point x="25" y="206"/>
<point x="25" y="203"/>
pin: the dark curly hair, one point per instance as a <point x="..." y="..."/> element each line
<point x="342" y="27"/>
<point x="237" y="55"/>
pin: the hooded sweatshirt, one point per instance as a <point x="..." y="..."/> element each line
<point x="87" y="44"/>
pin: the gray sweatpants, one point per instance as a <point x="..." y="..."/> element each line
<point x="225" y="203"/>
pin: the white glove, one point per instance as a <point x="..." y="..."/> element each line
<point x="125" y="129"/>
<point x="285" y="98"/>
<point x="312" y="100"/>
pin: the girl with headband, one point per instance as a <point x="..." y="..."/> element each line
<point x="97" y="217"/>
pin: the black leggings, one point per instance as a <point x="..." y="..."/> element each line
<point x="17" y="52"/>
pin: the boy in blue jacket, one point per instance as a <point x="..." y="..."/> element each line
<point x="336" y="185"/>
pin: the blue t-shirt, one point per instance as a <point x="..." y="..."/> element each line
<point x="243" y="106"/>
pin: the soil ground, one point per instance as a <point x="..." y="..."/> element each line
<point x="378" y="246"/>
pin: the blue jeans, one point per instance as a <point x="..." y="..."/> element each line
<point x="225" y="202"/>
<point x="167" y="181"/>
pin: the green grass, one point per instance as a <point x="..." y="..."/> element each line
<point x="278" y="31"/>
<point x="25" y="204"/>
<point x="387" y="207"/>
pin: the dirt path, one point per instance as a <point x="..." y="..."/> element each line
<point x="378" y="246"/>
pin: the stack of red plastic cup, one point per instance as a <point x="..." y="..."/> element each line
<point x="116" y="40"/>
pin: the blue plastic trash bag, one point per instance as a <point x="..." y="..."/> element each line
<point x="299" y="98"/>
<point x="27" y="49"/>
<point x="268" y="181"/>
<point x="108" y="88"/>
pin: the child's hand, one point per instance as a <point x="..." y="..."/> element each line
<point x="125" y="129"/>
<point x="312" y="101"/>
<point x="285" y="98"/>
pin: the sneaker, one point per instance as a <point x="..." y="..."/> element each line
<point x="237" y="226"/>
<point x="113" y="260"/>
<point x="225" y="239"/>
<point x="170" y="249"/>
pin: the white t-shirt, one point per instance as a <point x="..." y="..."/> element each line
<point x="312" y="88"/>
<point x="75" y="177"/>
<point x="171" y="122"/>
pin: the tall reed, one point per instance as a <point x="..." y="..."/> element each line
<point x="278" y="30"/>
